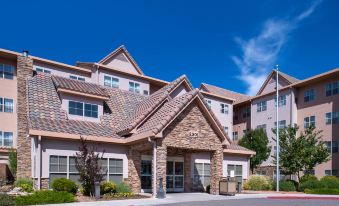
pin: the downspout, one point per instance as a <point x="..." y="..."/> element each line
<point x="39" y="162"/>
<point x="154" y="144"/>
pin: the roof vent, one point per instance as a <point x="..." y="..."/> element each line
<point x="25" y="53"/>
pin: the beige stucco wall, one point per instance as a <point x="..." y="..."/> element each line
<point x="319" y="107"/>
<point x="8" y="89"/>
<point x="121" y="62"/>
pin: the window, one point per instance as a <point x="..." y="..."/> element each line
<point x="8" y="105"/>
<point x="223" y="108"/>
<point x="6" y="139"/>
<point x="209" y="103"/>
<point x="42" y="70"/>
<point x="261" y="172"/>
<point x="334" y="172"/>
<point x="282" y="124"/>
<point x="309" y="172"/>
<point x="332" y="146"/>
<point x="111" y="82"/>
<point x="309" y="95"/>
<point x="247" y="112"/>
<point x="113" y="168"/>
<point x="261" y="106"/>
<point x="6" y="71"/>
<point x="245" y="131"/>
<point x="146" y="174"/>
<point x="308" y="121"/>
<point x="237" y="172"/>
<point x="332" y="89"/>
<point x="73" y="172"/>
<point x="57" y="167"/>
<point x="202" y="174"/>
<point x="145" y="92"/>
<point x="91" y="110"/>
<point x="226" y="129"/>
<point x="332" y="118"/>
<point x="328" y="172"/>
<point x="262" y="126"/>
<point x="134" y="87"/>
<point x="281" y="101"/>
<point x="77" y="78"/>
<point x="77" y="108"/>
<point x="235" y="136"/>
<point x="1" y="104"/>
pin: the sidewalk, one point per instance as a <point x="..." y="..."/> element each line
<point x="196" y="197"/>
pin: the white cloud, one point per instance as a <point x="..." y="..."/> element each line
<point x="260" y="53"/>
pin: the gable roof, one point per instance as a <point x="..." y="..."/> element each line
<point x="237" y="97"/>
<point x="123" y="49"/>
<point x="288" y="78"/>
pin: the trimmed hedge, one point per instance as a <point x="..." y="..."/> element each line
<point x="258" y="182"/>
<point x="323" y="191"/>
<point x="327" y="182"/>
<point x="63" y="184"/>
<point x="330" y="182"/>
<point x="45" y="197"/>
<point x="311" y="184"/>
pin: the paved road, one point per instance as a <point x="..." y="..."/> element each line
<point x="259" y="202"/>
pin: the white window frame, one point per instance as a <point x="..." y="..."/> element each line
<point x="332" y="118"/>
<point x="281" y="101"/>
<point x="2" y="139"/>
<point x="4" y="73"/>
<point x="83" y="109"/>
<point x="308" y="121"/>
<point x="223" y="108"/>
<point x="309" y="95"/>
<point x="43" y="70"/>
<point x="113" y="82"/>
<point x="261" y="106"/>
<point x="134" y="87"/>
<point x="235" y="136"/>
<point x="79" y="78"/>
<point x="203" y="175"/>
<point x="209" y="103"/>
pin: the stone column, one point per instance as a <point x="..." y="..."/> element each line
<point x="216" y="170"/>
<point x="24" y="70"/>
<point x="161" y="161"/>
<point x="134" y="170"/>
<point x="188" y="184"/>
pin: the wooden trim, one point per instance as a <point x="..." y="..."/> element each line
<point x="69" y="91"/>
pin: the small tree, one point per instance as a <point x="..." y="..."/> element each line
<point x="12" y="159"/>
<point x="87" y="163"/>
<point x="299" y="153"/>
<point x="257" y="141"/>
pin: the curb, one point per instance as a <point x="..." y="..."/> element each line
<point x="304" y="197"/>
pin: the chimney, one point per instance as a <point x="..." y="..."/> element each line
<point x="25" y="53"/>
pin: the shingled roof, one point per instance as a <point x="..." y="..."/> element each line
<point x="238" y="97"/>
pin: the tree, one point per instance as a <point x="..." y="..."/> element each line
<point x="300" y="152"/>
<point x="12" y="159"/>
<point x="257" y="141"/>
<point x="87" y="163"/>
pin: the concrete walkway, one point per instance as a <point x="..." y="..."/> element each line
<point x="189" y="197"/>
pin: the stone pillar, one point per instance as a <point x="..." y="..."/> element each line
<point x="161" y="161"/>
<point x="134" y="170"/>
<point x="188" y="184"/>
<point x="24" y="71"/>
<point x="216" y="170"/>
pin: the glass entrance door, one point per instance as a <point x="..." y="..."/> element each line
<point x="175" y="176"/>
<point x="146" y="175"/>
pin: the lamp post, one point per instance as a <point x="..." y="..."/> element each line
<point x="277" y="130"/>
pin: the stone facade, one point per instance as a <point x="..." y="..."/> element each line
<point x="188" y="179"/>
<point x="24" y="71"/>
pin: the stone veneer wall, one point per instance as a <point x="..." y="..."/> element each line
<point x="24" y="70"/>
<point x="176" y="136"/>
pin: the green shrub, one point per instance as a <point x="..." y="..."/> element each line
<point x="307" y="177"/>
<point x="330" y="182"/>
<point x="108" y="188"/>
<point x="322" y="191"/>
<point x="123" y="188"/>
<point x="25" y="183"/>
<point x="310" y="184"/>
<point x="287" y="185"/>
<point x="258" y="182"/>
<point x="6" y="200"/>
<point x="45" y="197"/>
<point x="63" y="184"/>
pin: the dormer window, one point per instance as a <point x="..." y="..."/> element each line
<point x="134" y="87"/>
<point x="83" y="109"/>
<point x="77" y="78"/>
<point x="111" y="82"/>
<point x="41" y="70"/>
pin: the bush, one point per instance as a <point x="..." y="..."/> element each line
<point x="123" y="188"/>
<point x="310" y="184"/>
<point x="323" y="191"/>
<point x="288" y="185"/>
<point x="330" y="182"/>
<point x="108" y="188"/>
<point x="45" y="197"/>
<point x="25" y="183"/>
<point x="258" y="182"/>
<point x="63" y="184"/>
<point x="307" y="177"/>
<point x="6" y="200"/>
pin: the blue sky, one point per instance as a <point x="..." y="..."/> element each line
<point x="232" y="44"/>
